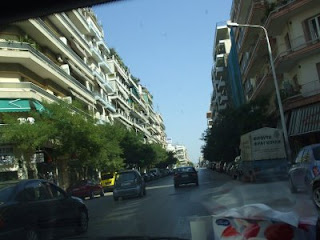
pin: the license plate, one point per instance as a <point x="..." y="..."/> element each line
<point x="184" y="175"/>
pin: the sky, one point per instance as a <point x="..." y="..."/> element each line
<point x="168" y="45"/>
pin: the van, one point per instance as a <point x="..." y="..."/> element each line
<point x="107" y="180"/>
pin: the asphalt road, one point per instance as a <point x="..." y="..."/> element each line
<point x="166" y="211"/>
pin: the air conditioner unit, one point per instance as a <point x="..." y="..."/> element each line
<point x="66" y="68"/>
<point x="64" y="40"/>
<point x="67" y="99"/>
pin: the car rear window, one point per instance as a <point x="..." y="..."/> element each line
<point x="6" y="191"/>
<point x="186" y="169"/>
<point x="128" y="176"/>
<point x="316" y="153"/>
<point x="106" y="176"/>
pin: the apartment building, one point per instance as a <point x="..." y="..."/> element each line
<point x="64" y="56"/>
<point x="294" y="31"/>
<point x="225" y="74"/>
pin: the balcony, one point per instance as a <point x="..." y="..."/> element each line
<point x="37" y="29"/>
<point x="298" y="50"/>
<point x="25" y="55"/>
<point x="79" y="20"/>
<point x="104" y="101"/>
<point x="279" y="17"/>
<point x="126" y="120"/>
<point x="102" y="43"/>
<point x="26" y="90"/>
<point x="223" y="99"/>
<point x="220" y="48"/>
<point x="121" y="101"/>
<point x="310" y="88"/>
<point x="222" y="32"/>
<point x="94" y="30"/>
<point x="104" y="65"/>
<point x="96" y="53"/>
<point x="221" y="85"/>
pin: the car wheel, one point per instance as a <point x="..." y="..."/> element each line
<point x="293" y="189"/>
<point x="32" y="234"/>
<point x="316" y="195"/>
<point x="101" y="193"/>
<point x="115" y="198"/>
<point x="91" y="195"/>
<point x="82" y="226"/>
<point x="141" y="193"/>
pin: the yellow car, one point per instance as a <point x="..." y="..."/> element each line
<point x="107" y="180"/>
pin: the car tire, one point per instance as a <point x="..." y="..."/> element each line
<point x="82" y="225"/>
<point x="293" y="189"/>
<point x="91" y="195"/>
<point x="115" y="198"/>
<point x="32" y="234"/>
<point x="316" y="195"/>
<point x="101" y="193"/>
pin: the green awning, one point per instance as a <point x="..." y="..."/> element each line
<point x="14" y="105"/>
<point x="39" y="107"/>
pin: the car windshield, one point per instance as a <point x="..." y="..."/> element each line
<point x="215" y="104"/>
<point x="123" y="177"/>
<point x="106" y="176"/>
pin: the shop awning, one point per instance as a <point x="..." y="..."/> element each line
<point x="305" y="120"/>
<point x="14" y="105"/>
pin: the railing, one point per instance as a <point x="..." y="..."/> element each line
<point x="49" y="63"/>
<point x="28" y="85"/>
<point x="74" y="28"/>
<point x="67" y="49"/>
<point x="310" y="88"/>
<point x="294" y="45"/>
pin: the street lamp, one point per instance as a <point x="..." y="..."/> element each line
<point x="283" y="123"/>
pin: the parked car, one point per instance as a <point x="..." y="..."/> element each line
<point x="152" y="176"/>
<point x="156" y="171"/>
<point x="305" y="169"/>
<point x="34" y="209"/>
<point x="86" y="188"/>
<point x="185" y="175"/>
<point x="129" y="183"/>
<point x="146" y="177"/>
<point x="316" y="191"/>
<point x="228" y="168"/>
<point x="107" y="180"/>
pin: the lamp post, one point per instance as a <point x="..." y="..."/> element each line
<point x="283" y="123"/>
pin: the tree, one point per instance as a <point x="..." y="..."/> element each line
<point x="223" y="139"/>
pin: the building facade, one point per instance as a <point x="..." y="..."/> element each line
<point x="64" y="56"/>
<point x="294" y="31"/>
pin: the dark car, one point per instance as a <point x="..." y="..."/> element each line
<point x="34" y="209"/>
<point x="305" y="169"/>
<point x="316" y="191"/>
<point x="146" y="177"/>
<point x="129" y="183"/>
<point x="185" y="175"/>
<point x="86" y="188"/>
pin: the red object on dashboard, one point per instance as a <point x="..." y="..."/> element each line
<point x="279" y="231"/>
<point x="230" y="231"/>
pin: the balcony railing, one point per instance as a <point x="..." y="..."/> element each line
<point x="66" y="47"/>
<point x="310" y="88"/>
<point x="49" y="63"/>
<point x="104" y="101"/>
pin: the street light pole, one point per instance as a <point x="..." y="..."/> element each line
<point x="283" y="123"/>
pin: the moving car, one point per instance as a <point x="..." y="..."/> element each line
<point x="107" y="180"/>
<point x="129" y="183"/>
<point x="32" y="209"/>
<point x="185" y="175"/>
<point x="86" y="188"/>
<point x="305" y="169"/>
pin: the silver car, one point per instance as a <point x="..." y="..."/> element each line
<point x="305" y="168"/>
<point x="129" y="183"/>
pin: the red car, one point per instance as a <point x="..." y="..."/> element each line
<point x="86" y="188"/>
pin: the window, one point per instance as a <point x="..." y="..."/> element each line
<point x="54" y="191"/>
<point x="316" y="153"/>
<point x="35" y="191"/>
<point x="299" y="156"/>
<point x="314" y="27"/>
<point x="305" y="156"/>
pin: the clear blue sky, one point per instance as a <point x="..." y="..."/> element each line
<point x="168" y="45"/>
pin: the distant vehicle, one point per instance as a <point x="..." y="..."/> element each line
<point x="156" y="171"/>
<point x="129" y="183"/>
<point x="305" y="169"/>
<point x="86" y="188"/>
<point x="185" y="175"/>
<point x="32" y="209"/>
<point x="146" y="177"/>
<point x="107" y="180"/>
<point x="263" y="155"/>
